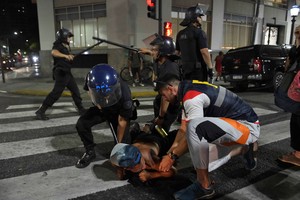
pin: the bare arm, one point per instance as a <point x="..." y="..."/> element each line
<point x="58" y="54"/>
<point x="206" y="57"/>
<point x="147" y="175"/>
<point x="122" y="124"/>
<point x="179" y="147"/>
<point x="162" y="111"/>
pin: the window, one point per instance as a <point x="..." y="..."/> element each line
<point x="84" y="22"/>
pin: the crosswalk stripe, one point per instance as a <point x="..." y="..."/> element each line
<point x="52" y="122"/>
<point x="60" y="184"/>
<point x="49" y="144"/>
<point x="23" y="106"/>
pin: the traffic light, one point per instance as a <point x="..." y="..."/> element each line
<point x="151" y="7"/>
<point x="167" y="29"/>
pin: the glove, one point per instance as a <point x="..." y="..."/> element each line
<point x="210" y="73"/>
<point x="154" y="84"/>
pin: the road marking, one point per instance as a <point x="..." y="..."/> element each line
<point x="52" y="122"/>
<point x="22" y="106"/>
<point x="61" y="184"/>
<point x="49" y="144"/>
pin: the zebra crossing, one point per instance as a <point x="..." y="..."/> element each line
<point x="37" y="157"/>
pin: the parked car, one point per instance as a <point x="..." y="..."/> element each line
<point x="262" y="65"/>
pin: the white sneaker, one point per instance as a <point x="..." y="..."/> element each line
<point x="133" y="84"/>
<point x="141" y="84"/>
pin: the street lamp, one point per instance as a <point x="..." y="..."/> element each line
<point x="294" y="13"/>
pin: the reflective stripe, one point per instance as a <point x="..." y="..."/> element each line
<point x="221" y="96"/>
<point x="204" y="82"/>
<point x="245" y="131"/>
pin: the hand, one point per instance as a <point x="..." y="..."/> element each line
<point x="120" y="173"/>
<point x="69" y="57"/>
<point x="130" y="73"/>
<point x="210" y="73"/>
<point x="158" y="121"/>
<point x="144" y="176"/>
<point x="166" y="163"/>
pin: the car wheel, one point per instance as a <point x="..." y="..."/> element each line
<point x="277" y="79"/>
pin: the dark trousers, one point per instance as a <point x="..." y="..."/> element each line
<point x="92" y="117"/>
<point x="295" y="131"/>
<point x="171" y="115"/>
<point x="63" y="80"/>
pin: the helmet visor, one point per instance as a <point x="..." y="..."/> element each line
<point x="105" y="95"/>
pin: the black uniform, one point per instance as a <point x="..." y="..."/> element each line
<point x="94" y="116"/>
<point x="189" y="41"/>
<point x="168" y="67"/>
<point x="63" y="78"/>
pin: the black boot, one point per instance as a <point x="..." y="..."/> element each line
<point x="40" y="113"/>
<point x="86" y="159"/>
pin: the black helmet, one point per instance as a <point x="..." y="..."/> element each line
<point x="166" y="45"/>
<point x="104" y="85"/>
<point x="191" y="15"/>
<point x="63" y="34"/>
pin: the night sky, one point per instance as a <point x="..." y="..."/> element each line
<point x="19" y="16"/>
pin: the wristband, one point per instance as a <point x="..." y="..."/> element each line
<point x="173" y="156"/>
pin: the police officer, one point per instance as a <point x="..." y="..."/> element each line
<point x="191" y="45"/>
<point x="112" y="103"/>
<point x="163" y="50"/>
<point x="62" y="74"/>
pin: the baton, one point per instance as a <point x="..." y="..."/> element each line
<point x="81" y="52"/>
<point x="113" y="131"/>
<point x="116" y="44"/>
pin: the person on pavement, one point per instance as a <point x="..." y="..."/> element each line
<point x="191" y="45"/>
<point x="112" y="104"/>
<point x="213" y="115"/>
<point x="143" y="156"/>
<point x="61" y="74"/>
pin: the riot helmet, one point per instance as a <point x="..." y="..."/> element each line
<point x="63" y="34"/>
<point x="166" y="45"/>
<point x="191" y="15"/>
<point x="104" y="85"/>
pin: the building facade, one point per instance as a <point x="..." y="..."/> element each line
<point x="228" y="24"/>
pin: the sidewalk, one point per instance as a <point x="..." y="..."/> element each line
<point x="25" y="81"/>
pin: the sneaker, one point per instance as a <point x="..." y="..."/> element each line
<point x="133" y="84"/>
<point x="195" y="191"/>
<point x="39" y="115"/>
<point x="250" y="158"/>
<point x="86" y="159"/>
<point x="141" y="84"/>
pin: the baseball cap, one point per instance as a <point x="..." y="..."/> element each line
<point x="125" y="155"/>
<point x="164" y="81"/>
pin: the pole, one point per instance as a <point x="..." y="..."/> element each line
<point x="2" y="68"/>
<point x="159" y="18"/>
<point x="292" y="30"/>
<point x="116" y="44"/>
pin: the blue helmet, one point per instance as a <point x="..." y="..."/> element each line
<point x="104" y="85"/>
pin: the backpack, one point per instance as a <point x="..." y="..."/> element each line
<point x="281" y="97"/>
<point x="294" y="89"/>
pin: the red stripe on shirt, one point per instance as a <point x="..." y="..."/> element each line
<point x="191" y="94"/>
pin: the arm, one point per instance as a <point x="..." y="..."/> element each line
<point x="56" y="53"/>
<point x="162" y="111"/>
<point x="148" y="175"/>
<point x="122" y="124"/>
<point x="179" y="147"/>
<point x="206" y="57"/>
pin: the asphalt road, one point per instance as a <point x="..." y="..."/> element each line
<point x="37" y="158"/>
